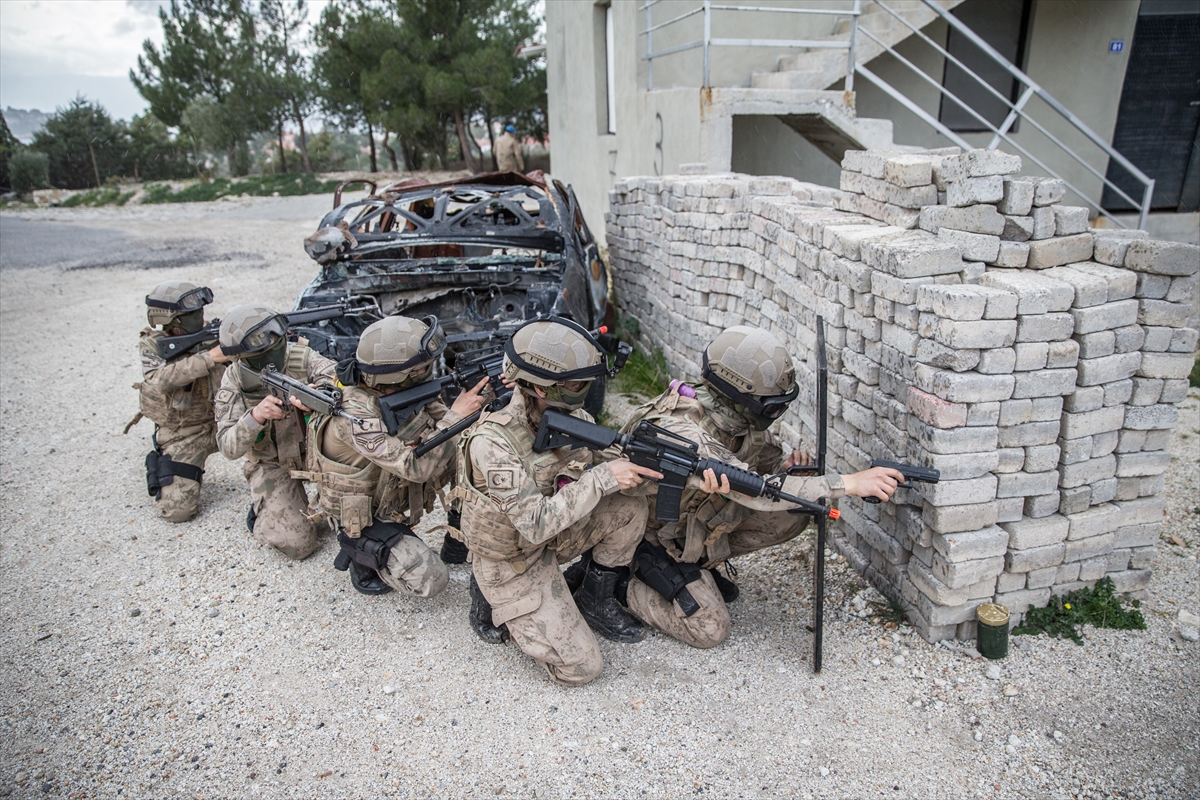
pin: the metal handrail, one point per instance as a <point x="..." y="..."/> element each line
<point x="1016" y="111"/>
<point x="708" y="42"/>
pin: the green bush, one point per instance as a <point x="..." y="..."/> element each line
<point x="1098" y="606"/>
<point x="111" y="196"/>
<point x="29" y="170"/>
<point x="254" y="186"/>
<point x="1194" y="378"/>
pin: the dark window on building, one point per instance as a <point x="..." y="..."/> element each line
<point x="1158" y="121"/>
<point x="1003" y="24"/>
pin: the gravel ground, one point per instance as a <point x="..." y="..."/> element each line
<point x="144" y="659"/>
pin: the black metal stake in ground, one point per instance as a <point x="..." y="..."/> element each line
<point x="818" y="626"/>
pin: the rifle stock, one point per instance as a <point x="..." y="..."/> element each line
<point x="172" y="347"/>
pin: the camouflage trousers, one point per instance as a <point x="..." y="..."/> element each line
<point x="281" y="507"/>
<point x="415" y="569"/>
<point x="709" y="626"/>
<point x="531" y="597"/>
<point x="179" y="500"/>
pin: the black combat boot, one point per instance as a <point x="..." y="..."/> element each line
<point x="251" y="517"/>
<point x="367" y="580"/>
<point x="573" y="574"/>
<point x="453" y="551"/>
<point x="481" y="617"/>
<point x="598" y="605"/>
<point x="729" y="590"/>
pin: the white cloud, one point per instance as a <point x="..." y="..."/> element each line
<point x="101" y="38"/>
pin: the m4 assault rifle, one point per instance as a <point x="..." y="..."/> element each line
<point x="677" y="458"/>
<point x="324" y="400"/>
<point x="170" y="347"/>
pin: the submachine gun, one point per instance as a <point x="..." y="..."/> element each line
<point x="656" y="448"/>
<point x="325" y="399"/>
<point x="171" y="347"/>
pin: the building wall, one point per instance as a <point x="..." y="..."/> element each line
<point x="678" y="123"/>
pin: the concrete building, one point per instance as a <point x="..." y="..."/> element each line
<point x="763" y="92"/>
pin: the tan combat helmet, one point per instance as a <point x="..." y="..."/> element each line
<point x="551" y="352"/>
<point x="174" y="299"/>
<point x="251" y="328"/>
<point x="753" y="369"/>
<point x="398" y="350"/>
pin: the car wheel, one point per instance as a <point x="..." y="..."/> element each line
<point x="594" y="401"/>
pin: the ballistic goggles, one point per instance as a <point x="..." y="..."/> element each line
<point x="188" y="301"/>
<point x="262" y="336"/>
<point x="433" y="344"/>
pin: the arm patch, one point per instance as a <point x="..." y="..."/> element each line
<point x="500" y="481"/>
<point x="370" y="439"/>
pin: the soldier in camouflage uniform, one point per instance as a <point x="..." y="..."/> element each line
<point x="257" y="425"/>
<point x="748" y="381"/>
<point x="524" y="513"/>
<point x="371" y="487"/>
<point x="177" y="395"/>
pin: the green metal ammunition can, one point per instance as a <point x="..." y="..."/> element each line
<point x="992" y="636"/>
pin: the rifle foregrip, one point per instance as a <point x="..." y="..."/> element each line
<point x="740" y="480"/>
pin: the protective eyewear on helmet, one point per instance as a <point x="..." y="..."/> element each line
<point x="188" y="301"/>
<point x="768" y="407"/>
<point x="262" y="336"/>
<point x="433" y="344"/>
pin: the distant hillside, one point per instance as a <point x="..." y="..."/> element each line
<point x="24" y="124"/>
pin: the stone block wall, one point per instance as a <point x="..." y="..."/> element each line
<point x="973" y="324"/>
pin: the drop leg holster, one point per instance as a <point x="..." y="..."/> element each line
<point x="161" y="470"/>
<point x="665" y="575"/>
<point x="371" y="547"/>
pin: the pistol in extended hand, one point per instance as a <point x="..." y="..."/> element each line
<point x="911" y="473"/>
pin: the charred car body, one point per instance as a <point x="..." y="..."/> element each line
<point x="482" y="255"/>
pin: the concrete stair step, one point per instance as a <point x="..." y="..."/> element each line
<point x="791" y="79"/>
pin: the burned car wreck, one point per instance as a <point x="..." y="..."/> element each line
<point x="482" y="255"/>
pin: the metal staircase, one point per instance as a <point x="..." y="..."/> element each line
<point x="798" y="93"/>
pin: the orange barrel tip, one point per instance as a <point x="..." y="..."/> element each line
<point x="834" y="513"/>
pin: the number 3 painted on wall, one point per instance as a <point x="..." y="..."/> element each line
<point x="659" y="160"/>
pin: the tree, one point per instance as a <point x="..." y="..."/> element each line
<point x="207" y="74"/>
<point x="9" y="145"/>
<point x="287" y="70"/>
<point x="350" y="40"/>
<point x="450" y="62"/>
<point x="83" y="144"/>
<point x="153" y="154"/>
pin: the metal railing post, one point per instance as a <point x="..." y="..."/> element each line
<point x="707" y="39"/>
<point x="649" y="47"/>
<point x="850" y="65"/>
<point x="1147" y="196"/>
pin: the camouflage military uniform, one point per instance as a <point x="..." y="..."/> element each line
<point x="177" y="396"/>
<point x="713" y="528"/>
<point x="363" y="475"/>
<point x="524" y="513"/>
<point x="271" y="450"/>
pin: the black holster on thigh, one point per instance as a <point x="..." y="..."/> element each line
<point x="372" y="547"/>
<point x="665" y="575"/>
<point x="161" y="470"/>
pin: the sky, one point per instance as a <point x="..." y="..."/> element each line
<point x="51" y="50"/>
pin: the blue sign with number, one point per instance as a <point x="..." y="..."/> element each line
<point x="1116" y="46"/>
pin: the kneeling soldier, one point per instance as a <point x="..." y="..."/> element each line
<point x="257" y="425"/>
<point x="177" y="395"/>
<point x="748" y="381"/>
<point x="524" y="513"/>
<point x="371" y="486"/>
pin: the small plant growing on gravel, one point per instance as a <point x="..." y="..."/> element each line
<point x="1099" y="606"/>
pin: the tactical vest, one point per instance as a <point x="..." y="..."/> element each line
<point x="281" y="440"/>
<point x="357" y="496"/>
<point x="704" y="519"/>
<point x="175" y="408"/>
<point x="485" y="526"/>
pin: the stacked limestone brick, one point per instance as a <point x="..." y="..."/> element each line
<point x="973" y="324"/>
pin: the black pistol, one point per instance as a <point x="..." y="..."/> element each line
<point x="911" y="473"/>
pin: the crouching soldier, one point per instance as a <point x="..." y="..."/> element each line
<point x="748" y="381"/>
<point x="255" y="424"/>
<point x="524" y="513"/>
<point x="371" y="486"/>
<point x="176" y="394"/>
